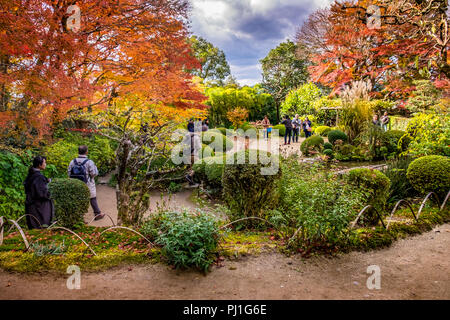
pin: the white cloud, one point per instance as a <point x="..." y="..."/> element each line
<point x="247" y="29"/>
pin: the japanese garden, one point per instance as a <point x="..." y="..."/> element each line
<point x="127" y="143"/>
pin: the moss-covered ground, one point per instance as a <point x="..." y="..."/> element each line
<point x="121" y="247"/>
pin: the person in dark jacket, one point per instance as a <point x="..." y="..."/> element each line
<point x="37" y="202"/>
<point x="307" y="127"/>
<point x="288" y="125"/>
<point x="190" y="125"/>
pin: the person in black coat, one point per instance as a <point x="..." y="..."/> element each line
<point x="288" y="125"/>
<point x="38" y="203"/>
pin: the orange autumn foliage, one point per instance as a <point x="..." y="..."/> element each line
<point x="122" y="47"/>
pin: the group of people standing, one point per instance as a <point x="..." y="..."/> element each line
<point x="39" y="208"/>
<point x="382" y="122"/>
<point x="197" y="125"/>
<point x="292" y="127"/>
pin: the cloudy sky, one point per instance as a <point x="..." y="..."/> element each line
<point x="246" y="30"/>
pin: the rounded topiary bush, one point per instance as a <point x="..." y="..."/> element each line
<point x="322" y="130"/>
<point x="328" y="153"/>
<point x="214" y="172"/>
<point x="247" y="191"/>
<point x="375" y="190"/>
<point x="328" y="145"/>
<point x="281" y="129"/>
<point x="314" y="143"/>
<point x="217" y="141"/>
<point x="430" y="174"/>
<point x="221" y="130"/>
<point x="199" y="167"/>
<point x="207" y="151"/>
<point x="346" y="149"/>
<point x="71" y="200"/>
<point x="335" y="135"/>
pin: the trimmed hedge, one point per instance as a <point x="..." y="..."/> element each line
<point x="335" y="135"/>
<point x="247" y="192"/>
<point x="390" y="139"/>
<point x="212" y="139"/>
<point x="312" y="143"/>
<point x="71" y="200"/>
<point x="328" y="153"/>
<point x="281" y="128"/>
<point x="328" y="145"/>
<point x="430" y="174"/>
<point x="322" y="130"/>
<point x="207" y="151"/>
<point x="376" y="189"/>
<point x="221" y="130"/>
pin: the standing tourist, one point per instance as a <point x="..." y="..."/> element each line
<point x="266" y="124"/>
<point x="288" y="125"/>
<point x="194" y="146"/>
<point x="38" y="205"/>
<point x="205" y="125"/>
<point x="385" y="121"/>
<point x="375" y="120"/>
<point x="307" y="127"/>
<point x="84" y="169"/>
<point x="296" y="125"/>
<point x="190" y="125"/>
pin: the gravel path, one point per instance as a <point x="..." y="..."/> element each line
<point x="413" y="268"/>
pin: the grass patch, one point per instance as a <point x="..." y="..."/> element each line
<point x="236" y="244"/>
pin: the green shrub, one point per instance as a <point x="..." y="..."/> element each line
<point x="215" y="169"/>
<point x="71" y="200"/>
<point x="281" y="129"/>
<point x="174" y="187"/>
<point x="429" y="134"/>
<point x="322" y="131"/>
<point x="189" y="239"/>
<point x="375" y="187"/>
<point x="207" y="151"/>
<point x="247" y="191"/>
<point x="221" y="130"/>
<point x="346" y="149"/>
<point x="246" y="126"/>
<point x="328" y="145"/>
<point x="328" y="153"/>
<point x="335" y="135"/>
<point x="400" y="188"/>
<point x="314" y="143"/>
<point x="390" y="139"/>
<point x="217" y="141"/>
<point x="319" y="206"/>
<point x="430" y="174"/>
<point x="12" y="193"/>
<point x="214" y="172"/>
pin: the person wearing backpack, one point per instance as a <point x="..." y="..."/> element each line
<point x="84" y="169"/>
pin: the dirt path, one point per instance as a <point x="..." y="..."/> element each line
<point x="414" y="268"/>
<point x="106" y="197"/>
